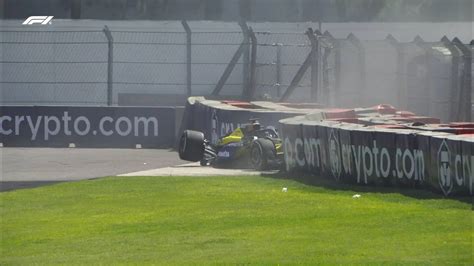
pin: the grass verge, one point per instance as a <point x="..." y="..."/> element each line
<point x="176" y="220"/>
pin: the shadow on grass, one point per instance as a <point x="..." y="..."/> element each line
<point x="413" y="192"/>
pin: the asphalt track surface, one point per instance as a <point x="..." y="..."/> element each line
<point x="31" y="167"/>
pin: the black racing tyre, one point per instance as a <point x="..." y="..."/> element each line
<point x="261" y="152"/>
<point x="191" y="146"/>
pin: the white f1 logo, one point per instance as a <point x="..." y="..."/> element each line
<point x="43" y="20"/>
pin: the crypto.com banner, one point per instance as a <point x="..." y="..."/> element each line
<point x="403" y="158"/>
<point x="114" y="127"/>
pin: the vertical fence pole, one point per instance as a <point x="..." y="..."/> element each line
<point x="362" y="83"/>
<point x="429" y="75"/>
<point x="278" y="68"/>
<point x="188" y="57"/>
<point x="253" y="65"/>
<point x="325" y="74"/>
<point x="401" y="77"/>
<point x="314" y="64"/>
<point x="337" y="68"/>
<point x="245" y="57"/>
<point x="110" y="64"/>
<point x="466" y="84"/>
<point x="456" y="102"/>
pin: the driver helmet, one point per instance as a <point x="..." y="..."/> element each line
<point x="253" y="126"/>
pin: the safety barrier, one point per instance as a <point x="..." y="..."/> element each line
<point x="373" y="146"/>
<point x="218" y="118"/>
<point x="378" y="154"/>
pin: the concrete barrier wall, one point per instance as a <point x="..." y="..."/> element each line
<point x="373" y="146"/>
<point x="216" y="119"/>
<point x="105" y="127"/>
<point x="368" y="155"/>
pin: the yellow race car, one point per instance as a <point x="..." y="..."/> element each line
<point x="247" y="146"/>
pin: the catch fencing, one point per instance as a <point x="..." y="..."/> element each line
<point x="127" y="67"/>
<point x="429" y="78"/>
<point x="111" y="67"/>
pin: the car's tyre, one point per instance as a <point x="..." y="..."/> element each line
<point x="261" y="152"/>
<point x="191" y="146"/>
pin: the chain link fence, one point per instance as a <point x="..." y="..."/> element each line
<point x="428" y="78"/>
<point x="279" y="57"/>
<point x="163" y="67"/>
<point x="53" y="67"/>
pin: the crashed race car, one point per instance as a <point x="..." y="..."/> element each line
<point x="247" y="146"/>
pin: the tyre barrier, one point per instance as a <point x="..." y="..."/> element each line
<point x="378" y="146"/>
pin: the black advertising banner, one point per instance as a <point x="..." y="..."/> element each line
<point x="384" y="151"/>
<point x="450" y="169"/>
<point x="353" y="153"/>
<point x="468" y="162"/>
<point x="329" y="150"/>
<point x="440" y="173"/>
<point x="409" y="161"/>
<point x="423" y="140"/>
<point x="217" y="122"/>
<point x="348" y="166"/>
<point x="313" y="149"/>
<point x="293" y="145"/>
<point x="362" y="156"/>
<point x="463" y="162"/>
<point x="114" y="127"/>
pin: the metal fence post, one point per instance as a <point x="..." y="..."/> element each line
<point x="327" y="48"/>
<point x="466" y="87"/>
<point x="188" y="57"/>
<point x="253" y="66"/>
<point x="456" y="102"/>
<point x="337" y="66"/>
<point x="314" y="65"/>
<point x="362" y="83"/>
<point x="402" y="85"/>
<point x="245" y="57"/>
<point x="110" y="64"/>
<point x="278" y="68"/>
<point x="429" y="75"/>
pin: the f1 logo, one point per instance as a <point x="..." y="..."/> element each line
<point x="43" y="20"/>
<point x="444" y="168"/>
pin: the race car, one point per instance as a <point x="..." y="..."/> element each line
<point x="248" y="146"/>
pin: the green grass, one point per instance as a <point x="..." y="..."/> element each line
<point x="201" y="220"/>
